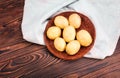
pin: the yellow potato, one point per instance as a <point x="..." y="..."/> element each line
<point x="53" y="32"/>
<point x="75" y="20"/>
<point x="69" y="33"/>
<point x="61" y="21"/>
<point x="60" y="44"/>
<point x="73" y="47"/>
<point x="84" y="37"/>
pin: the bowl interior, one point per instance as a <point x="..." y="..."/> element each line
<point x="85" y="24"/>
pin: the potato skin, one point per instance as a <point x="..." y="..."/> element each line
<point x="69" y="33"/>
<point x="53" y="32"/>
<point x="72" y="47"/>
<point x="60" y="44"/>
<point x="75" y="20"/>
<point x="84" y="38"/>
<point x="61" y="22"/>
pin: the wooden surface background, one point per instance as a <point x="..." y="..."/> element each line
<point x="22" y="59"/>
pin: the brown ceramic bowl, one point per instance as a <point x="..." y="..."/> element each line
<point x="86" y="24"/>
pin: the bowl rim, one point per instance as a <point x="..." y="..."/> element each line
<point x="65" y="55"/>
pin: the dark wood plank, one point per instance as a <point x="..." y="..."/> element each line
<point x="19" y="58"/>
<point x="10" y="10"/>
<point x="10" y="15"/>
<point x="42" y="64"/>
<point x="81" y="67"/>
<point x="27" y="63"/>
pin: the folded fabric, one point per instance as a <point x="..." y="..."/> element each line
<point x="105" y="15"/>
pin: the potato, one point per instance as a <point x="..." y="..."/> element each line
<point x="61" y="21"/>
<point x="84" y="37"/>
<point x="69" y="33"/>
<point x="60" y="44"/>
<point x="53" y="32"/>
<point x="73" y="47"/>
<point x="75" y="20"/>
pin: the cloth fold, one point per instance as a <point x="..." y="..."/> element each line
<point x="105" y="15"/>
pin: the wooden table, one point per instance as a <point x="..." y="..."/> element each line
<point x="19" y="58"/>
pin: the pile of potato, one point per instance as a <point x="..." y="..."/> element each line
<point x="68" y="40"/>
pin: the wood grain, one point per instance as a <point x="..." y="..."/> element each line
<point x="21" y="59"/>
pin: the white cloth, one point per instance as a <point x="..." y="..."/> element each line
<point x="105" y="15"/>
